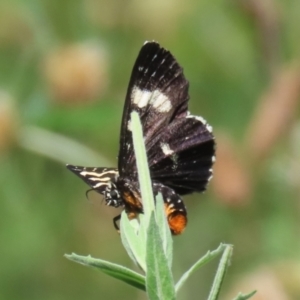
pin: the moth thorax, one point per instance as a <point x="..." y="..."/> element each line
<point x="112" y="196"/>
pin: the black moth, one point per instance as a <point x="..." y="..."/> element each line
<point x="180" y="147"/>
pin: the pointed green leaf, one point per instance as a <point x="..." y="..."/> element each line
<point x="143" y="231"/>
<point x="142" y="165"/>
<point x="164" y="229"/>
<point x="119" y="272"/>
<point x="210" y="255"/>
<point x="159" y="280"/>
<point x="224" y="262"/>
<point x="135" y="248"/>
<point x="241" y="296"/>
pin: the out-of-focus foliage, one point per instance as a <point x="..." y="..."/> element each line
<point x="64" y="69"/>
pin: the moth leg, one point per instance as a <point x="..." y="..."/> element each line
<point x="115" y="220"/>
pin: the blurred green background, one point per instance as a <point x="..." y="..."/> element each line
<point x="64" y="70"/>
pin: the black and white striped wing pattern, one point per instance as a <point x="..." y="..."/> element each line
<point x="101" y="180"/>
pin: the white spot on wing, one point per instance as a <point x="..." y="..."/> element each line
<point x="160" y="102"/>
<point x="99" y="184"/>
<point x="140" y="97"/>
<point x="166" y="149"/>
<point x="105" y="179"/>
<point x="209" y="128"/>
<point x="84" y="173"/>
<point x="129" y="126"/>
<point x="98" y="175"/>
<point x="199" y="118"/>
<point x="171" y="66"/>
<point x="202" y="120"/>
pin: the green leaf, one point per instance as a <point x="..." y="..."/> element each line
<point x="241" y="296"/>
<point x="210" y="255"/>
<point x="164" y="229"/>
<point x="132" y="242"/>
<point x="224" y="262"/>
<point x="142" y="165"/>
<point x="119" y="272"/>
<point x="159" y="280"/>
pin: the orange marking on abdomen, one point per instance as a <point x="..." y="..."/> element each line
<point x="177" y="221"/>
